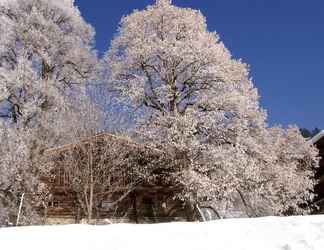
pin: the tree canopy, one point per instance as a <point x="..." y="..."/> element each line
<point x="198" y="99"/>
<point x="46" y="59"/>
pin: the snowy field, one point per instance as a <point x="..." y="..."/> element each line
<point x="294" y="233"/>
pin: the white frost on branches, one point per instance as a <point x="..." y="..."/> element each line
<point x="18" y="175"/>
<point x="201" y="101"/>
<point x="46" y="48"/>
<point x="46" y="60"/>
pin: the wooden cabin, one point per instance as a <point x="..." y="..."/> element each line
<point x="318" y="141"/>
<point x="150" y="201"/>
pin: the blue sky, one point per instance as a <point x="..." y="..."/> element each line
<point x="282" y="41"/>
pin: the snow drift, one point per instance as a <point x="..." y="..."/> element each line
<point x="270" y="233"/>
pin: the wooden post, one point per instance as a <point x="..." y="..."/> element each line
<point x="20" y="207"/>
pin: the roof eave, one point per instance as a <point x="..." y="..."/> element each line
<point x="317" y="137"/>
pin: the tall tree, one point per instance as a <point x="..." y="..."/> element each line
<point x="19" y="183"/>
<point x="46" y="60"/>
<point x="200" y="101"/>
<point x="46" y="51"/>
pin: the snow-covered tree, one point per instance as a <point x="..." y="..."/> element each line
<point x="19" y="181"/>
<point x="45" y="52"/>
<point x="46" y="60"/>
<point x="199" y="100"/>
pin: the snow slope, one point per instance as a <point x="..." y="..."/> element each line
<point x="293" y="233"/>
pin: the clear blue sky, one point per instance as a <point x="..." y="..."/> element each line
<point x="282" y="41"/>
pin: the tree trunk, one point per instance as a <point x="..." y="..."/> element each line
<point x="135" y="207"/>
<point x="90" y="203"/>
<point x="90" y="185"/>
<point x="247" y="208"/>
<point x="45" y="213"/>
<point x="173" y="102"/>
<point x="77" y="215"/>
<point x="45" y="70"/>
<point x="201" y="214"/>
<point x="87" y="203"/>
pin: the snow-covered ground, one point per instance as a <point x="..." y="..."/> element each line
<point x="294" y="233"/>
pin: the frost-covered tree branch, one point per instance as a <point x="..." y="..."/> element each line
<point x="46" y="60"/>
<point x="201" y="101"/>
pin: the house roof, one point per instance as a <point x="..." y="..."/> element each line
<point x="122" y="140"/>
<point x="317" y="137"/>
